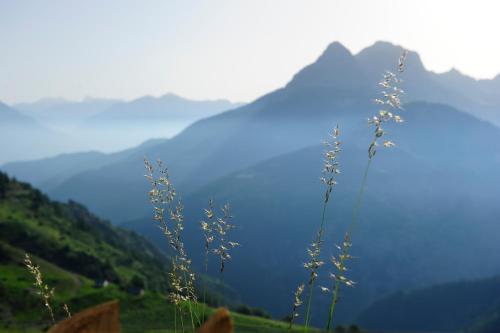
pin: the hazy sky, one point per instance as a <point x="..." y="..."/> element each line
<point x="222" y="49"/>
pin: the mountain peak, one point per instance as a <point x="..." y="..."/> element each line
<point x="336" y="67"/>
<point x="383" y="56"/>
<point x="455" y="74"/>
<point x="454" y="71"/>
<point x="336" y="49"/>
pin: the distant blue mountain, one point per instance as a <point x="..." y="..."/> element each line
<point x="53" y="171"/>
<point x="471" y="306"/>
<point x="61" y="113"/>
<point x="12" y="117"/>
<point x="109" y="125"/>
<point x="23" y="137"/>
<point x="166" y="108"/>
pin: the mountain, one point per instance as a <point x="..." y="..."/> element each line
<point x="477" y="97"/>
<point x="247" y="135"/>
<point x="471" y="306"/>
<point x="129" y="123"/>
<point x="337" y="88"/>
<point x="14" y="118"/>
<point x="423" y="202"/>
<point x="166" y="108"/>
<point x="63" y="114"/>
<point x="109" y="125"/>
<point x="23" y="137"/>
<point x="484" y="93"/>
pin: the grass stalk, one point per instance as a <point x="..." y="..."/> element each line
<point x="311" y="284"/>
<point x="330" y="170"/>
<point x="345" y="246"/>
<point x="46" y="294"/>
<point x="391" y="103"/>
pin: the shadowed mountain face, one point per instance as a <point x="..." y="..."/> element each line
<point x="423" y="202"/>
<point x="450" y="307"/>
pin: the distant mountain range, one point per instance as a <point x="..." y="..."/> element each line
<point x="337" y="88"/>
<point x="166" y="108"/>
<point x="64" y="114"/>
<point x="430" y="208"/>
<point x="54" y="126"/>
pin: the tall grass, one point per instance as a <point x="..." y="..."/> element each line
<point x="224" y="245"/>
<point x="216" y="230"/>
<point x="43" y="290"/>
<point x="208" y="228"/>
<point x="168" y="212"/>
<point x="296" y="304"/>
<point x="390" y="103"/>
<point x="330" y="171"/>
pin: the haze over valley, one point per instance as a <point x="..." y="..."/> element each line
<point x="361" y="194"/>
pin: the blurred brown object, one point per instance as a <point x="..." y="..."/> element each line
<point x="220" y="322"/>
<point x="103" y="318"/>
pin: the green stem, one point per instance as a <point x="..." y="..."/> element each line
<point x="336" y="292"/>
<point x="182" y="318"/>
<point x="205" y="286"/>
<point x="359" y="199"/>
<point x="175" y="318"/>
<point x="191" y="315"/>
<point x="308" y="310"/>
<point x="291" y="319"/>
<point x="311" y="285"/>
<point x="222" y="288"/>
<point x="321" y="227"/>
<point x="186" y="281"/>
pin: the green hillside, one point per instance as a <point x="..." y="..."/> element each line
<point x="69" y="236"/>
<point x="22" y="311"/>
<point x="74" y="249"/>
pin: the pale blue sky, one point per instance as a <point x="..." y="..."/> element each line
<point x="231" y="49"/>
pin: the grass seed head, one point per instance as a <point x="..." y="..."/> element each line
<point x="43" y="290"/>
<point x="390" y="101"/>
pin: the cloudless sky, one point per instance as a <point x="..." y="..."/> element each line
<point x="210" y="49"/>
